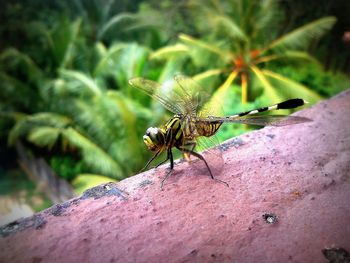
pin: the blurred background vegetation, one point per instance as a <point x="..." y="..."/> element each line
<point x="69" y="119"/>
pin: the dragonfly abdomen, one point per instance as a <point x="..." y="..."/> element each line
<point x="207" y="129"/>
<point x="288" y="104"/>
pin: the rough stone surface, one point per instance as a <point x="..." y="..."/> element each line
<point x="288" y="201"/>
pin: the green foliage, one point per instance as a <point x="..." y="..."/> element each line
<point x="80" y="101"/>
<point x="154" y="24"/>
<point x="96" y="120"/>
<point x="65" y="82"/>
<point x="66" y="166"/>
<point x="243" y="36"/>
<point x="314" y="76"/>
<point x="301" y="37"/>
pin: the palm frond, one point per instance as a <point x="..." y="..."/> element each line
<point x="94" y="156"/>
<point x="302" y="36"/>
<point x="44" y="136"/>
<point x="69" y="51"/>
<point x="291" y="88"/>
<point x="172" y="66"/>
<point x="87" y="83"/>
<point x="219" y="95"/>
<point x="169" y="51"/>
<point x="228" y="25"/>
<point x="12" y="56"/>
<point x="114" y="21"/>
<point x="41" y="31"/>
<point x="265" y="17"/>
<point x="199" y="43"/>
<point x="127" y="118"/>
<point x="97" y="117"/>
<point x="130" y="62"/>
<point x="207" y="74"/>
<point x="288" y="55"/>
<point x="269" y="90"/>
<point x="27" y="123"/>
<point x="60" y="42"/>
<point x="107" y="58"/>
<point x="10" y="90"/>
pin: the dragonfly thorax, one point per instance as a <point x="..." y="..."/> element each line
<point x="154" y="138"/>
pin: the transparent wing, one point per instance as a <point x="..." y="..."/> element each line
<point x="181" y="96"/>
<point x="154" y="90"/>
<point x="192" y="92"/>
<point x="271" y="120"/>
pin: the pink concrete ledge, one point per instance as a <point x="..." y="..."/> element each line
<point x="288" y="201"/>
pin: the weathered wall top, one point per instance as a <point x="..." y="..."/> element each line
<point x="288" y="201"/>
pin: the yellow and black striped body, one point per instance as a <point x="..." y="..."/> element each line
<point x="179" y="132"/>
<point x="207" y="129"/>
<point x="174" y="135"/>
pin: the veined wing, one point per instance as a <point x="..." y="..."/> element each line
<point x="180" y="96"/>
<point x="192" y="92"/>
<point x="153" y="89"/>
<point x="266" y="120"/>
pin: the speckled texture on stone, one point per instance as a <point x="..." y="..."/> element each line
<point x="298" y="173"/>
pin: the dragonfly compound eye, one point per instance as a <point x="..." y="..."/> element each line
<point x="153" y="138"/>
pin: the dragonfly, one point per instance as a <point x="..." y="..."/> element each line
<point x="192" y="118"/>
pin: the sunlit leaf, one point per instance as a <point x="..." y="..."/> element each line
<point x="44" y="136"/>
<point x="207" y="74"/>
<point x="191" y="40"/>
<point x="168" y="51"/>
<point x="292" y="88"/>
<point x="219" y="95"/>
<point x="269" y="90"/>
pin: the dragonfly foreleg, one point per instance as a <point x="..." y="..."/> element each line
<point x="184" y="150"/>
<point x="150" y="160"/>
<point x="170" y="156"/>
<point x="166" y="159"/>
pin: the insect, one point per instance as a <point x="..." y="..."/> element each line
<point x="192" y="119"/>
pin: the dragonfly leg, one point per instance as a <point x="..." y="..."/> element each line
<point x="206" y="164"/>
<point x="167" y="158"/>
<point x="191" y="145"/>
<point x="170" y="155"/>
<point x="150" y="160"/>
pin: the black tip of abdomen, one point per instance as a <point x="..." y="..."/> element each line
<point x="290" y="104"/>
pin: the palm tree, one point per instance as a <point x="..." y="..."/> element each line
<point x="77" y="104"/>
<point x="239" y="40"/>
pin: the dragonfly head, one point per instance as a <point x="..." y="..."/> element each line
<point x="154" y="139"/>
